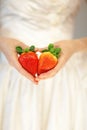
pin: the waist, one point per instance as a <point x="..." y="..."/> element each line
<point x="37" y="37"/>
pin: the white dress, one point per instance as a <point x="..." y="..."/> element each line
<point x="58" y="103"/>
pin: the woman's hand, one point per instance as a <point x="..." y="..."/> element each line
<point x="8" y="47"/>
<point x="68" y="49"/>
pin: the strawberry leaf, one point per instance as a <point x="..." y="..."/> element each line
<point x="45" y="50"/>
<point x="54" y="53"/>
<point x="19" y="49"/>
<point x="57" y="50"/>
<point x="58" y="56"/>
<point x="52" y="50"/>
<point x="32" y="48"/>
<point x="50" y="46"/>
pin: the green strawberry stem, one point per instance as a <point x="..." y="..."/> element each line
<point x="26" y="50"/>
<point x="19" y="49"/>
<point x="55" y="51"/>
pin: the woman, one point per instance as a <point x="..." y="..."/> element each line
<point x="56" y="100"/>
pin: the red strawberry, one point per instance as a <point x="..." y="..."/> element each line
<point x="48" y="59"/>
<point x="28" y="59"/>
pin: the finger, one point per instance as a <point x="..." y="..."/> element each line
<point x="20" y="69"/>
<point x="47" y="75"/>
<point x="23" y="72"/>
<point x="37" y="79"/>
<point x="60" y="64"/>
<point x="54" y="71"/>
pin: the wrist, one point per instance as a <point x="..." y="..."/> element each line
<point x="80" y="45"/>
<point x="2" y="41"/>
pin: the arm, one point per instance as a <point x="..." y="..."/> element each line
<point x="81" y="44"/>
<point x="69" y="48"/>
<point x="7" y="46"/>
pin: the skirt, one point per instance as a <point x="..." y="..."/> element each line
<point x="57" y="103"/>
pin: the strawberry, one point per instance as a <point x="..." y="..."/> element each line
<point x="48" y="59"/>
<point x="30" y="62"/>
<point x="28" y="59"/>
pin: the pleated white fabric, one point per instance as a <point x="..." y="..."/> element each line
<point x="58" y="103"/>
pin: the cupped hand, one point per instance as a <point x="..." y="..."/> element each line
<point x="8" y="47"/>
<point x="67" y="50"/>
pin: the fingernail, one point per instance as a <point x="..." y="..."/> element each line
<point x="37" y="79"/>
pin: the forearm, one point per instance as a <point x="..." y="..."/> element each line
<point x="2" y="41"/>
<point x="81" y="44"/>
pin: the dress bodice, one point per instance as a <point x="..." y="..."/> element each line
<point x="40" y="14"/>
<point x="36" y="19"/>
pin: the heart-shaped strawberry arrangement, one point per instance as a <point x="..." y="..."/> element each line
<point x="35" y="65"/>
